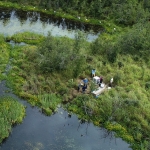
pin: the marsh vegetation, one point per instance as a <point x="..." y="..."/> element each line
<point x="48" y="82"/>
<point x="47" y="70"/>
<point x="11" y="113"/>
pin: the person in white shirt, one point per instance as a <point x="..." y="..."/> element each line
<point x="111" y="81"/>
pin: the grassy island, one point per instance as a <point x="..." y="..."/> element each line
<point x="11" y="113"/>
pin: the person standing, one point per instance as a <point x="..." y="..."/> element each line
<point x="85" y="81"/>
<point x="100" y="81"/>
<point x="93" y="72"/>
<point x="111" y="81"/>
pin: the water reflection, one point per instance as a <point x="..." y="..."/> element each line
<point x="12" y="22"/>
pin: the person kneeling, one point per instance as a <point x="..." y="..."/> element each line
<point x="84" y="88"/>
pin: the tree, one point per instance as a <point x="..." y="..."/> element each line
<point x="78" y="58"/>
<point x="54" y="54"/>
<point x="136" y="40"/>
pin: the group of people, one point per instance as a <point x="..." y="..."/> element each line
<point x="84" y="83"/>
<point x="100" y="81"/>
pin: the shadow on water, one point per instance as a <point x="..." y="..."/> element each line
<point x="14" y="21"/>
<point x="61" y="131"/>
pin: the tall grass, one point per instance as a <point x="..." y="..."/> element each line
<point x="4" y="56"/>
<point x="27" y="37"/>
<point x="11" y="112"/>
<point x="48" y="102"/>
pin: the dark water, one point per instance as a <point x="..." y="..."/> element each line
<point x="12" y="21"/>
<point x="57" y="132"/>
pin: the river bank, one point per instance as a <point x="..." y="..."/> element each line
<point x="89" y="23"/>
<point x="32" y="22"/>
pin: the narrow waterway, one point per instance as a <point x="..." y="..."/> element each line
<point x="59" y="131"/>
<point x="12" y="22"/>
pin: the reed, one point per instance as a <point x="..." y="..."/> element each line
<point x="27" y="37"/>
<point x="11" y="113"/>
<point x="4" y="56"/>
<point x="48" y="102"/>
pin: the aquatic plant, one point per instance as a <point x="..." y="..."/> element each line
<point x="48" y="102"/>
<point x="4" y="56"/>
<point x="11" y="112"/>
<point x="26" y="37"/>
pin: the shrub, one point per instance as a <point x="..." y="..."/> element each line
<point x="147" y="85"/>
<point x="117" y="78"/>
<point x="62" y="90"/>
<point x="47" y="111"/>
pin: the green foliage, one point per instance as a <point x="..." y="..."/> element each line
<point x="117" y="77"/>
<point x="120" y="131"/>
<point x="111" y="54"/>
<point x="54" y="54"/>
<point x="92" y="86"/>
<point x="4" y="56"/>
<point x="48" y="102"/>
<point x="71" y="83"/>
<point x="27" y="37"/>
<point x="57" y="54"/>
<point x="135" y="41"/>
<point x="62" y="90"/>
<point x="147" y="85"/>
<point x="129" y="12"/>
<point x="122" y="11"/>
<point x="106" y="47"/>
<point x="11" y="112"/>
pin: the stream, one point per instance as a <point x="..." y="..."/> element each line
<point x="59" y="131"/>
<point x="13" y="21"/>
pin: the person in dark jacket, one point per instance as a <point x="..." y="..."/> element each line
<point x="84" y="88"/>
<point x="100" y="81"/>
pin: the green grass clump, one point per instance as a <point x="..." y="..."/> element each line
<point x="48" y="103"/>
<point x="27" y="37"/>
<point x="11" y="112"/>
<point x="4" y="56"/>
